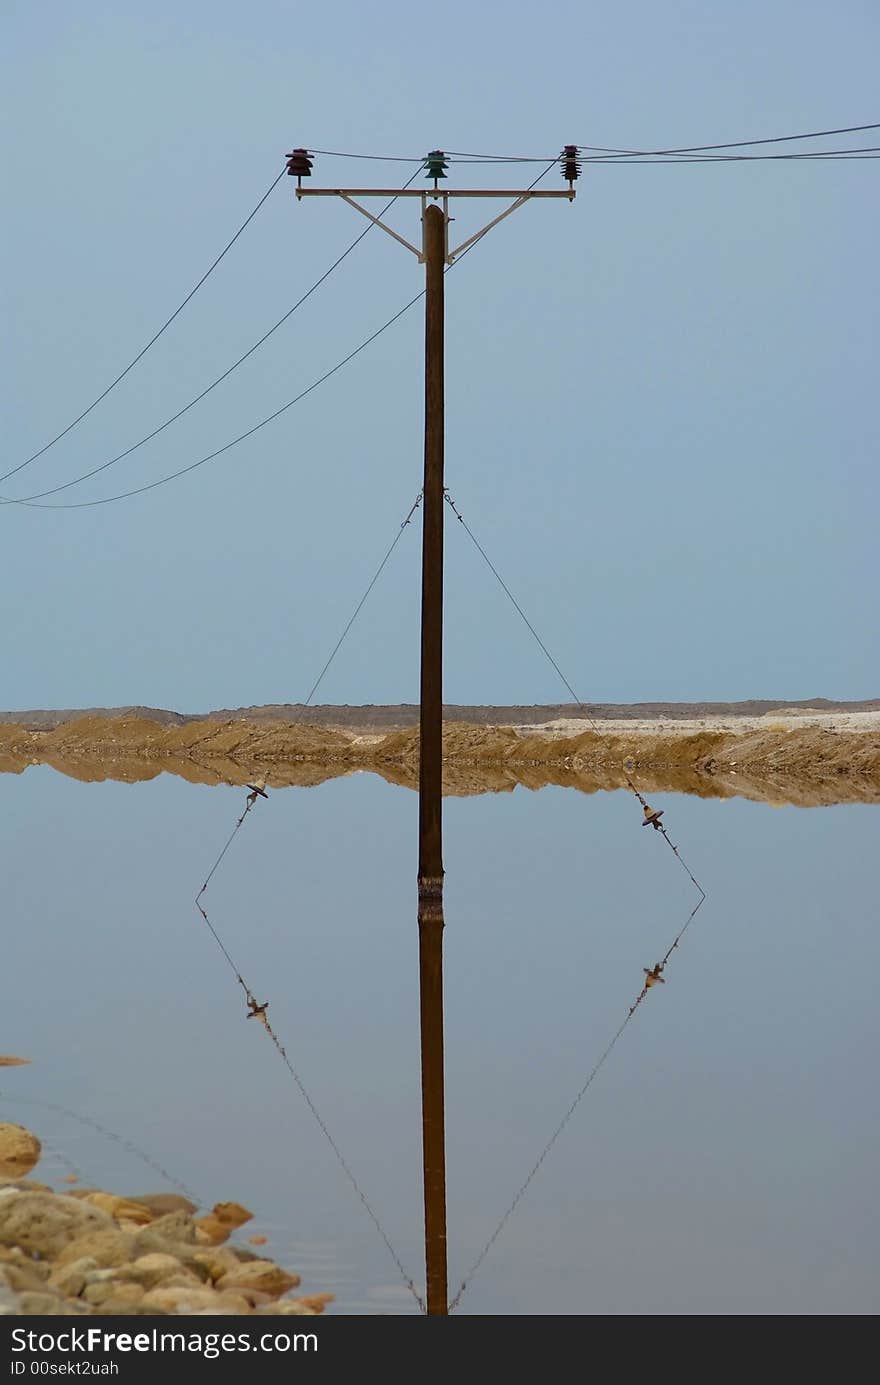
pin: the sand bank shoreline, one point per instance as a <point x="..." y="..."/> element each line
<point x="806" y="755"/>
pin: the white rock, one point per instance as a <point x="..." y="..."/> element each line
<point x="43" y="1223"/>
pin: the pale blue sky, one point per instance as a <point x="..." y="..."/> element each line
<point x="661" y="401"/>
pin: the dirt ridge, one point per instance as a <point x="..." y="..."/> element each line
<point x="397" y="716"/>
<point x="805" y="764"/>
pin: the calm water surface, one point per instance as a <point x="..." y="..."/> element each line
<point x="724" y="1162"/>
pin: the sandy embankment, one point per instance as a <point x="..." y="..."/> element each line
<point x="787" y="756"/>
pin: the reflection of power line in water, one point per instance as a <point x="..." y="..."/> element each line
<point x="653" y="975"/>
<point x="128" y="1145"/>
<point x="258" y="1009"/>
<point x="49" y="1153"/>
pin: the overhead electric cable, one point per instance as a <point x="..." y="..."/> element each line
<point x="829" y="154"/>
<point x="183" y="471"/>
<point x="470" y="157"/>
<point x="743" y="143"/>
<point x="173" y="476"/>
<point x="461" y="157"/>
<point x="380" y="158"/>
<point x="754" y="158"/>
<point x="144" y="349"/>
<point x="623" y="157"/>
<point x="140" y="490"/>
<point x="39" y="495"/>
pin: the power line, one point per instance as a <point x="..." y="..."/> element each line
<point x="39" y="495"/>
<point x="463" y="156"/>
<point x="183" y="471"/>
<point x="144" y="349"/>
<point x="628" y="158"/>
<point x="420" y="158"/>
<point x="740" y="143"/>
<point x="380" y="158"/>
<point x="865" y="151"/>
<point x="746" y="158"/>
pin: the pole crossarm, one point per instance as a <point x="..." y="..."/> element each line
<point x="435" y="194"/>
<point x="517" y="200"/>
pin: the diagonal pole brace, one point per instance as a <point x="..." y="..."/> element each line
<point x="377" y="221"/>
<point x="472" y="240"/>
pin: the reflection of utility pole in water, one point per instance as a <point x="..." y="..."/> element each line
<point x="436" y="256"/>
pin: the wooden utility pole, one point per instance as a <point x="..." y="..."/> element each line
<point x="430" y="774"/>
<point x="436" y="257"/>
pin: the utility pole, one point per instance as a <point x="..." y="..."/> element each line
<point x="436" y="256"/>
<point x="430" y="912"/>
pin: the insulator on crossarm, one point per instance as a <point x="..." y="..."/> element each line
<point x="299" y="165"/>
<point x="570" y="164"/>
<point x="436" y="165"/>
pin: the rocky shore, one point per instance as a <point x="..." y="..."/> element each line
<point x="86" y="1251"/>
